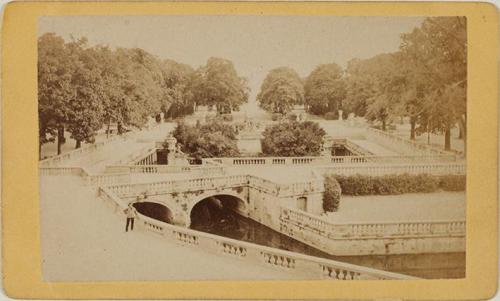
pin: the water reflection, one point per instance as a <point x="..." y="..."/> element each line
<point x="218" y="220"/>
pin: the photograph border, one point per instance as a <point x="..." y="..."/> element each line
<point x="21" y="260"/>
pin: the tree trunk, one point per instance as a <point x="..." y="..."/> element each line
<point x="447" y="138"/>
<point x="463" y="127"/>
<point x="78" y="144"/>
<point x="119" y="128"/>
<point x="60" y="138"/>
<point x="384" y="125"/>
<point x="412" y="128"/>
<point x="107" y="128"/>
<point x="39" y="150"/>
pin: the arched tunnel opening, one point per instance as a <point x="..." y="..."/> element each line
<point x="155" y="211"/>
<point x="219" y="215"/>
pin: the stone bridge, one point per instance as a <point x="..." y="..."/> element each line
<point x="250" y="196"/>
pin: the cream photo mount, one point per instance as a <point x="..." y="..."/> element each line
<point x="22" y="276"/>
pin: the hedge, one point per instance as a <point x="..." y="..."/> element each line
<point x="331" y="195"/>
<point x="398" y="184"/>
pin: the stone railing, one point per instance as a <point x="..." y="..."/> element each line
<point x="375" y="169"/>
<point x="179" y="185"/>
<point x="392" y="159"/>
<point x="195" y="169"/>
<point x="336" y="230"/>
<point x="111" y="200"/>
<point x="269" y="160"/>
<point x="220" y="182"/>
<point x="403" y="143"/>
<point x="86" y="149"/>
<point x="62" y="171"/>
<point x="308" y="266"/>
<point x="351" y="146"/>
<point x="90" y="179"/>
<point x="323" y="160"/>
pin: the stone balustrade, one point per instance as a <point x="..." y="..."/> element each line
<point x="336" y="230"/>
<point x="374" y="169"/>
<point x="307" y="266"/>
<point x="324" y="160"/>
<point x="405" y="143"/>
<point x="90" y="179"/>
<point x="61" y="171"/>
<point x="393" y="159"/>
<point x="86" y="149"/>
<point x="219" y="182"/>
<point x="195" y="169"/>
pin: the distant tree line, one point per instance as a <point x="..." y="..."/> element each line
<point x="425" y="81"/>
<point x="82" y="89"/>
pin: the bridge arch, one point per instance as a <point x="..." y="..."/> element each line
<point x="227" y="200"/>
<point x="154" y="209"/>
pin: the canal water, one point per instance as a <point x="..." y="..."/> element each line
<point x="224" y="222"/>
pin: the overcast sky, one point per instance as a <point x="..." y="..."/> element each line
<point x="255" y="44"/>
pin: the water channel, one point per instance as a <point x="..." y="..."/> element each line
<point x="224" y="222"/>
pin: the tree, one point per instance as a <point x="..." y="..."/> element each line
<point x="437" y="54"/>
<point x="375" y="87"/>
<point x="324" y="89"/>
<point x="55" y="68"/>
<point x="218" y="84"/>
<point x="281" y="90"/>
<point x="178" y="100"/>
<point x="85" y="109"/>
<point x="331" y="195"/>
<point x="293" y="138"/>
<point x="213" y="139"/>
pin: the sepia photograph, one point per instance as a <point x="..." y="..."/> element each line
<point x="252" y="147"/>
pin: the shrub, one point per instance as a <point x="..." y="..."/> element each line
<point x="214" y="139"/>
<point x="293" y="138"/>
<point x="452" y="183"/>
<point x="331" y="195"/>
<point x="331" y="116"/>
<point x="399" y="184"/>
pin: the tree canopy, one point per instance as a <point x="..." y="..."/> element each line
<point x="293" y="138"/>
<point x="218" y="84"/>
<point x="425" y="80"/>
<point x="281" y="90"/>
<point x="214" y="139"/>
<point x="83" y="88"/>
<point x="325" y="89"/>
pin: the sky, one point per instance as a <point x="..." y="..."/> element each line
<point x="255" y="44"/>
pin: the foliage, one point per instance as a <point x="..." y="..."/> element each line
<point x="293" y="138"/>
<point x="436" y="58"/>
<point x="374" y="88"/>
<point x="218" y="84"/>
<point x="399" y="184"/>
<point x="452" y="183"/>
<point x="331" y="195"/>
<point x="426" y="80"/>
<point x="324" y="89"/>
<point x="214" y="139"/>
<point x="281" y="90"/>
